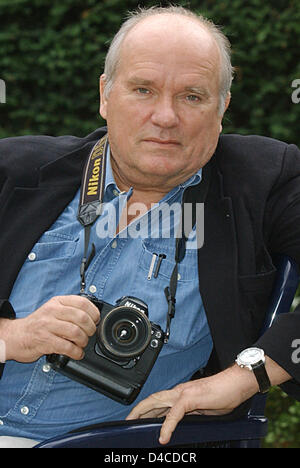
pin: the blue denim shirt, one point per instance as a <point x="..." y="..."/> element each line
<point x="37" y="402"/>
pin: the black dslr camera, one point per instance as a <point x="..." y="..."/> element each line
<point x="121" y="354"/>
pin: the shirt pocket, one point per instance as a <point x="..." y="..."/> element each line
<point x="52" y="247"/>
<point x="189" y="323"/>
<point x="43" y="273"/>
<point x="187" y="269"/>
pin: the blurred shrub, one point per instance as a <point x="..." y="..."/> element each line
<point x="52" y="53"/>
<point x="284" y="421"/>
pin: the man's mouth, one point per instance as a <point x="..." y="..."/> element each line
<point x="159" y="141"/>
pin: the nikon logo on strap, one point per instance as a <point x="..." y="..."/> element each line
<point x="94" y="169"/>
<point x="94" y="179"/>
<point x="93" y="183"/>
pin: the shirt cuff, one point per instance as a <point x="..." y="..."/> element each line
<point x="2" y="352"/>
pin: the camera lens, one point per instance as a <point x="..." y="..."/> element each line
<point x="124" y="332"/>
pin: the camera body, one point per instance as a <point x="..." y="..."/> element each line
<point x="120" y="355"/>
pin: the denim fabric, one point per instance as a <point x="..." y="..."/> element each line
<point x="37" y="402"/>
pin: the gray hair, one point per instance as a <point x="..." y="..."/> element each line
<point x="114" y="53"/>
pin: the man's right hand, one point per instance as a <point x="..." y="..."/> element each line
<point x="62" y="325"/>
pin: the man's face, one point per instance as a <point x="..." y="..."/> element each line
<point x="162" y="111"/>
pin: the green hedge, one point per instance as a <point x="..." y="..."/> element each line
<point x="52" y="53"/>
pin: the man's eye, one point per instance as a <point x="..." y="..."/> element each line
<point x="193" y="98"/>
<point x="143" y="91"/>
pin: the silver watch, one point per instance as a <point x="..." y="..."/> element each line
<point x="254" y="360"/>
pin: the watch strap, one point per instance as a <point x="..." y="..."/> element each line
<point x="262" y="377"/>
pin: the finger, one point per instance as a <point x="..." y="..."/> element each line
<point x="77" y="317"/>
<point x="71" y="332"/>
<point x="146" y="408"/>
<point x="81" y="303"/>
<point x="172" y="419"/>
<point x="66" y="348"/>
<point x="140" y="409"/>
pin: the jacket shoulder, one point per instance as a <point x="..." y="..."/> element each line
<point x="255" y="161"/>
<point x="22" y="155"/>
<point x="250" y="149"/>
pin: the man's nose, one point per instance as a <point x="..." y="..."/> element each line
<point x="164" y="113"/>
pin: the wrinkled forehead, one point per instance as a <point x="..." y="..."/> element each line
<point x="170" y="33"/>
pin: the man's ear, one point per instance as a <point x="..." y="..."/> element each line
<point x="103" y="100"/>
<point x="227" y="102"/>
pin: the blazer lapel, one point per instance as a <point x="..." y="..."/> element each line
<point x="218" y="274"/>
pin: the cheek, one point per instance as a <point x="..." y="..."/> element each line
<point x="125" y="118"/>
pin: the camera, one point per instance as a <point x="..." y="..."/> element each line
<point x="120" y="355"/>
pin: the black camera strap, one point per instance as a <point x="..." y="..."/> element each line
<point x="90" y="208"/>
<point x="195" y="193"/>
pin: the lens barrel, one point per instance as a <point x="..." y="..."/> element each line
<point x="124" y="332"/>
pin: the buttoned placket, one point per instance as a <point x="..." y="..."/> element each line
<point x="33" y="397"/>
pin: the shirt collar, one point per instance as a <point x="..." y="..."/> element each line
<point x="194" y="180"/>
<point x="109" y="177"/>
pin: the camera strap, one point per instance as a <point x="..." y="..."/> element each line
<point x="91" y="198"/>
<point x="199" y="193"/>
<point x="90" y="208"/>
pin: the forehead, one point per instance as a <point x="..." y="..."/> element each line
<point x="166" y="42"/>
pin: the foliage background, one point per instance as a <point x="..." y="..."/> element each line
<point x="52" y="53"/>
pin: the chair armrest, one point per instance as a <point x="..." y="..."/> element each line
<point x="145" y="433"/>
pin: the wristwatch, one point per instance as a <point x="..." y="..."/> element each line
<point x="254" y="360"/>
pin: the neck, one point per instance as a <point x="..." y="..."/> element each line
<point x="143" y="192"/>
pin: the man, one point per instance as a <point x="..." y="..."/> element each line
<point x="165" y="89"/>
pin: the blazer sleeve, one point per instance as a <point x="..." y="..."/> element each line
<point x="283" y="209"/>
<point x="283" y="221"/>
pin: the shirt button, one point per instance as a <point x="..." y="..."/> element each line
<point x="93" y="289"/>
<point x="116" y="192"/>
<point x="25" y="410"/>
<point x="114" y="244"/>
<point x="32" y="256"/>
<point x="46" y="368"/>
<point x="1" y="422"/>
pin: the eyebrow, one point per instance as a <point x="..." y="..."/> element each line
<point x="141" y="81"/>
<point x="197" y="90"/>
<point x="135" y="80"/>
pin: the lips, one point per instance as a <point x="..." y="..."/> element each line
<point x="162" y="142"/>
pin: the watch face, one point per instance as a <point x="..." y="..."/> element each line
<point x="251" y="356"/>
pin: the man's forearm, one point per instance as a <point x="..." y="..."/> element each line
<point x="215" y="395"/>
<point x="277" y="374"/>
<point x="245" y="379"/>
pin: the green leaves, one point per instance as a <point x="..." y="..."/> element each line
<point x="52" y="53"/>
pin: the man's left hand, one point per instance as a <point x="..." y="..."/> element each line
<point x="216" y="395"/>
